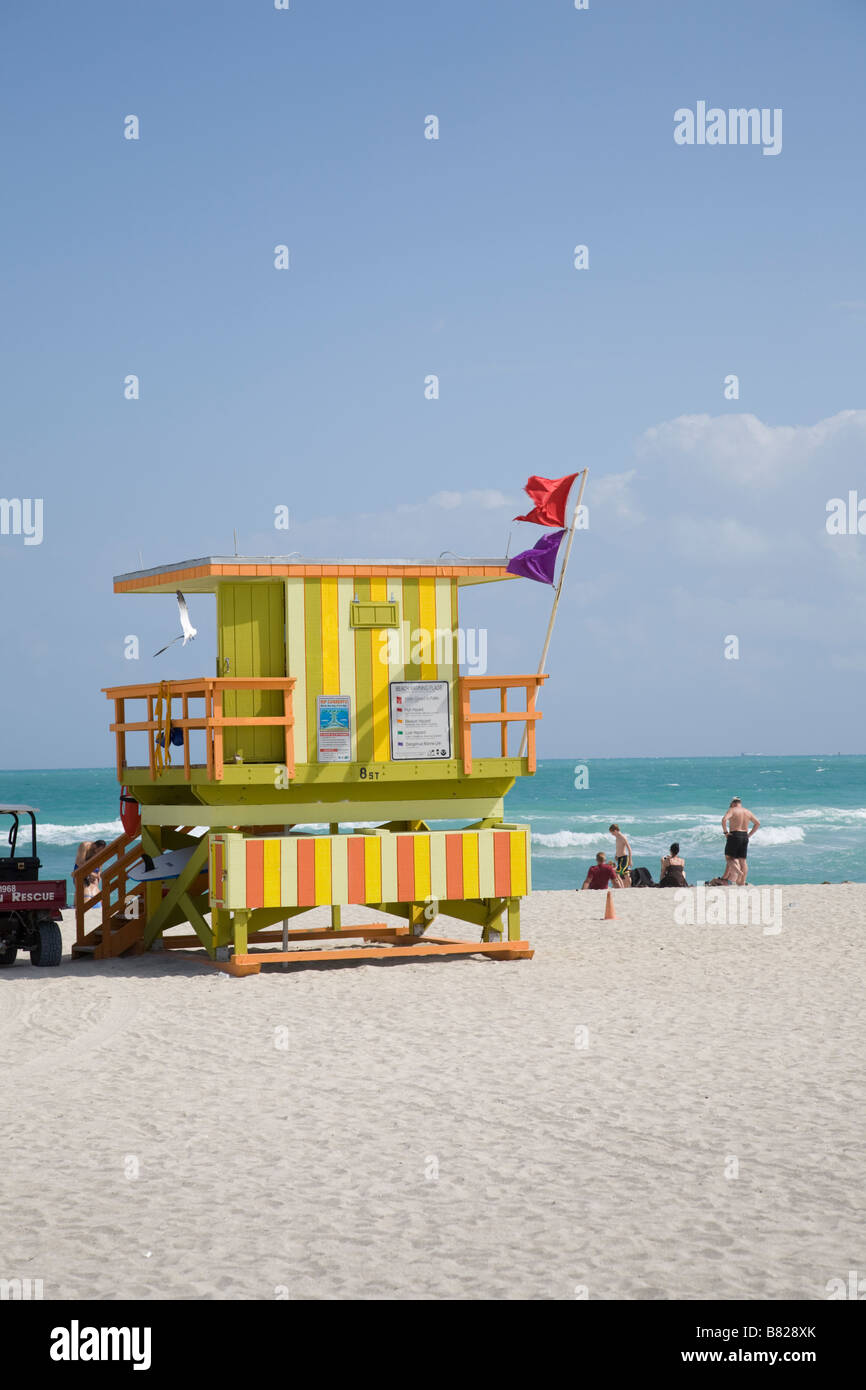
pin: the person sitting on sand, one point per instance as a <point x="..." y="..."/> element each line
<point x="601" y="875"/>
<point x="86" y="850"/>
<point x="735" y="824"/>
<point x="623" y="855"/>
<point x="673" y="870"/>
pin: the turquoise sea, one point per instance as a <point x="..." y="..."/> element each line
<point x="812" y="812"/>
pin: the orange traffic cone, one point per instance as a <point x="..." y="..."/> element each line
<point x="609" y="913"/>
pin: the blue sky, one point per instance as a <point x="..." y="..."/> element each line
<point x="454" y="257"/>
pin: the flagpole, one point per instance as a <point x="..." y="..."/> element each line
<point x="568" y="543"/>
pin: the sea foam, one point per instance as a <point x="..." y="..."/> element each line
<point x="690" y="837"/>
<point x="779" y="835"/>
<point x="74" y="834"/>
<point x="566" y="839"/>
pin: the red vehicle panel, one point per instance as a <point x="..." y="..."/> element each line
<point x="45" y="895"/>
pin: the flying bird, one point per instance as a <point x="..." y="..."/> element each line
<point x="188" y="631"/>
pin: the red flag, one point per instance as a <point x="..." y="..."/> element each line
<point x="550" y="496"/>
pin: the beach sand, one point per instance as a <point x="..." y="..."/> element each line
<point x="436" y="1129"/>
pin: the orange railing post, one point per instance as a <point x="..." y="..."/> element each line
<point x="503" y="705"/>
<point x="150" y="742"/>
<point x="465" y="729"/>
<point x="209" y="731"/>
<point x="120" y="736"/>
<point x="531" y="692"/>
<point x="290" y="732"/>
<point x="184" y="709"/>
<point x="530" y="716"/>
<point x="217" y="721"/>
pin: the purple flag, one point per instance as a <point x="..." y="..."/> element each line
<point x="539" y="562"/>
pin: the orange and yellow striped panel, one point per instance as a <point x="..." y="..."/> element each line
<point x="314" y="870"/>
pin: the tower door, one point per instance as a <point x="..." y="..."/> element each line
<point x="251" y="623"/>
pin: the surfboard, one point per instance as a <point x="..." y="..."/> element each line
<point x="168" y="865"/>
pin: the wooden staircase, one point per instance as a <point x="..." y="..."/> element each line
<point x="112" y="922"/>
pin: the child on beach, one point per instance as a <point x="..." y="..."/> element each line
<point x="623" y="855"/>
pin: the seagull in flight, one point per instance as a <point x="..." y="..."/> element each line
<point x="188" y="631"/>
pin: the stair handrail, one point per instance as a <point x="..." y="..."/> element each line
<point x="125" y="850"/>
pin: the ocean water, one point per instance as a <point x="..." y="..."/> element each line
<point x="812" y="812"/>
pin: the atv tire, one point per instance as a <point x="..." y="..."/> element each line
<point x="49" y="948"/>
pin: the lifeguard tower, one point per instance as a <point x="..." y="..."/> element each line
<point x="315" y="768"/>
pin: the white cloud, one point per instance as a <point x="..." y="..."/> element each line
<point x="472" y="523"/>
<point x="741" y="449"/>
<point x="487" y="499"/>
<point x="613" y="491"/>
<point x="719" y="541"/>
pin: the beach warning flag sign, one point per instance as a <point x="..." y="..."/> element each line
<point x="550" y="496"/>
<point x="539" y="563"/>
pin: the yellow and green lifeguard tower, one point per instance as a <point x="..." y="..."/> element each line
<point x="328" y="762"/>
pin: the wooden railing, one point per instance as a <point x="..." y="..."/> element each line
<point x="112" y="920"/>
<point x="528" y="716"/>
<point x="115" y="907"/>
<point x="161" y="719"/>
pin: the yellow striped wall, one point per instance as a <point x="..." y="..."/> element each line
<point x="328" y="657"/>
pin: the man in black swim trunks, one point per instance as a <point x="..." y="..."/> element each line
<point x="623" y="855"/>
<point x="735" y="823"/>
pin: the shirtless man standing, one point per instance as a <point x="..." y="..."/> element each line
<point x="623" y="855"/>
<point x="735" y="823"/>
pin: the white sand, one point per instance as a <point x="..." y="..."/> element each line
<point x="311" y="1168"/>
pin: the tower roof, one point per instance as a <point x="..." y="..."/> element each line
<point x="203" y="575"/>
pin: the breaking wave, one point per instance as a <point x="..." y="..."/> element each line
<point x="73" y="834"/>
<point x="779" y="835"/>
<point x="566" y="839"/>
<point x="691" y="837"/>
